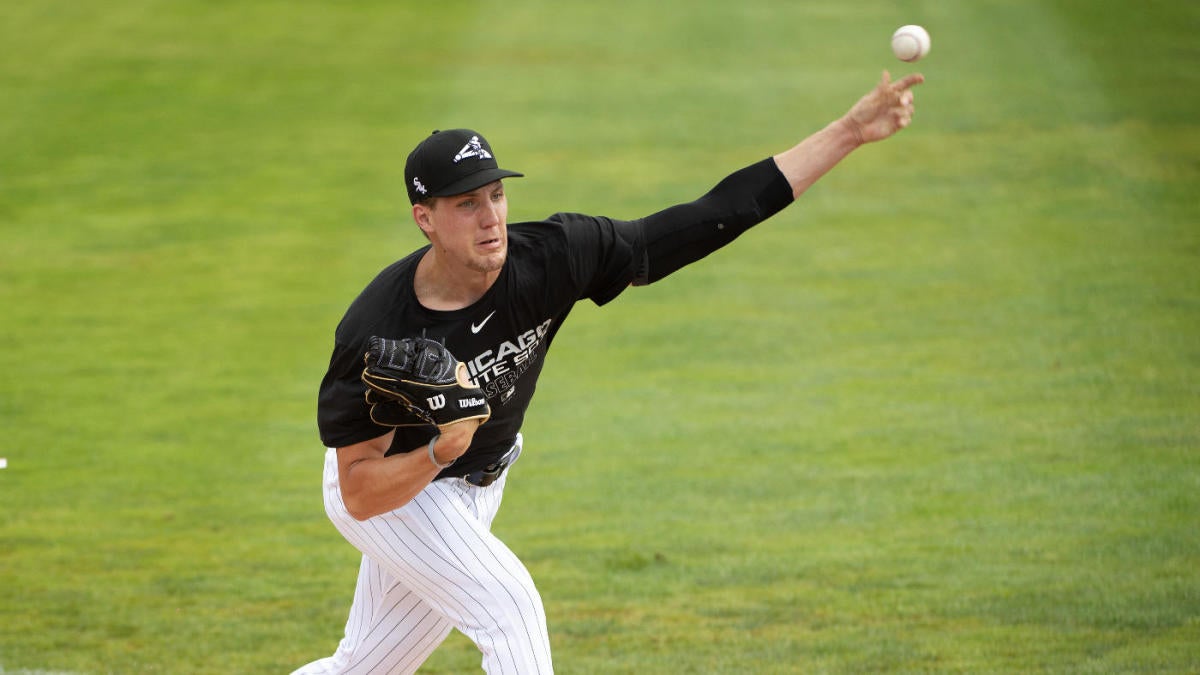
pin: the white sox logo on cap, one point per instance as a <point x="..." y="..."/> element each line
<point x="473" y="148"/>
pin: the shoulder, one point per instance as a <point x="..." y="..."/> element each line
<point x="587" y="256"/>
<point x="387" y="295"/>
<point x="557" y="239"/>
<point x="565" y="230"/>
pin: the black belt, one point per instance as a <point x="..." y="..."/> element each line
<point x="488" y="474"/>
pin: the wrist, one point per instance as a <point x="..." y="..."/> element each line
<point x="450" y="443"/>
<point x="458" y="435"/>
<point x="852" y="130"/>
<point x="431" y="450"/>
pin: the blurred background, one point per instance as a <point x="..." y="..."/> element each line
<point x="941" y="415"/>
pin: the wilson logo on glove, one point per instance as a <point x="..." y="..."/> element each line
<point x="417" y="381"/>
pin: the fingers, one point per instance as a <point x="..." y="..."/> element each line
<point x="463" y="377"/>
<point x="885" y="109"/>
<point x="908" y="81"/>
<point x="901" y="91"/>
<point x="905" y="112"/>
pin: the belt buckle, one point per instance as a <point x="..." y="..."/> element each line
<point x="488" y="475"/>
<point x="484" y="477"/>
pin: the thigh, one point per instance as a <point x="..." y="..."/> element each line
<point x="440" y="548"/>
<point x="436" y="547"/>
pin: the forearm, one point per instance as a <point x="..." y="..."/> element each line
<point x="804" y="163"/>
<point x="376" y="485"/>
<point x="373" y="483"/>
<point x="879" y="114"/>
<point x="678" y="236"/>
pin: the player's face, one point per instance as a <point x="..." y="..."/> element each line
<point x="472" y="228"/>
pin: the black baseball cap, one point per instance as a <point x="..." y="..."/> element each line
<point x="450" y="163"/>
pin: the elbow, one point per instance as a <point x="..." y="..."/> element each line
<point x="354" y="496"/>
<point x="360" y="514"/>
<point x="366" y="489"/>
<point x="355" y="510"/>
<point x="359" y="507"/>
<point x="355" y="507"/>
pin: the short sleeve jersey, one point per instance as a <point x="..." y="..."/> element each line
<point x="503" y="337"/>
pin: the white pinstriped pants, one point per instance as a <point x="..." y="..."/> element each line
<point x="430" y="566"/>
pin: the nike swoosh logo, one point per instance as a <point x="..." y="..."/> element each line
<point x="475" y="328"/>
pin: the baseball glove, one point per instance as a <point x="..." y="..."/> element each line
<point x="424" y="378"/>
<point x="391" y="413"/>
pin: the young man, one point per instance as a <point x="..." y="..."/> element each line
<point x="419" y="501"/>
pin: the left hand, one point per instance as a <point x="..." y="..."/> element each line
<point x="886" y="109"/>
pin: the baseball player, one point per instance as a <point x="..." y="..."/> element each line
<point x="435" y="363"/>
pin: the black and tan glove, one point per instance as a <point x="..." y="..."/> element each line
<point x="429" y="385"/>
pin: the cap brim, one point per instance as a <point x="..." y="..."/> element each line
<point x="474" y="181"/>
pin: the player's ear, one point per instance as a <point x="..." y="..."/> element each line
<point x="422" y="216"/>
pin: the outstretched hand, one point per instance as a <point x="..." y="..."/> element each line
<point x="886" y="109"/>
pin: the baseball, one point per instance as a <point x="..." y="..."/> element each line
<point x="910" y="43"/>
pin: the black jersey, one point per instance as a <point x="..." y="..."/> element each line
<point x="502" y="338"/>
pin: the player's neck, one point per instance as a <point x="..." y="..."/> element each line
<point x="444" y="286"/>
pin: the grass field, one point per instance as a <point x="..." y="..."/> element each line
<point x="942" y="415"/>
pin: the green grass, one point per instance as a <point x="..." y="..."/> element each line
<point x="943" y="415"/>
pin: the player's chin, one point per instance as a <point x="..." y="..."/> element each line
<point x="490" y="261"/>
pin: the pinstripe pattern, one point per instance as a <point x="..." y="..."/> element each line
<point x="430" y="566"/>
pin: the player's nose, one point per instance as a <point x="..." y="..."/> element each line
<point x="491" y="215"/>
